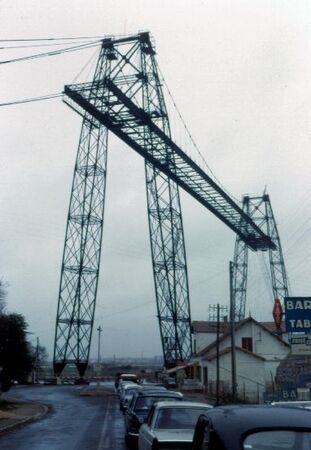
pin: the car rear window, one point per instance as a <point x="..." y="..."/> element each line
<point x="178" y="418"/>
<point x="278" y="440"/>
<point x="145" y="403"/>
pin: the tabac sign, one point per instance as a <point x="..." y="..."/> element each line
<point x="298" y="314"/>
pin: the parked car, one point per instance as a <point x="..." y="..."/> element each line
<point x="298" y="403"/>
<point x="137" y="412"/>
<point x="125" y="377"/>
<point x="129" y="377"/>
<point x="170" y="425"/>
<point x="127" y="392"/>
<point x="254" y="427"/>
<point x="170" y="382"/>
<point x="151" y="384"/>
<point x="151" y="388"/>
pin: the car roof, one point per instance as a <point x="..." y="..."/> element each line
<point x="131" y="375"/>
<point x="238" y="420"/>
<point x="158" y="393"/>
<point x="300" y="403"/>
<point x="130" y="386"/>
<point x="152" y="388"/>
<point x="185" y="404"/>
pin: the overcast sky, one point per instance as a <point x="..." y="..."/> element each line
<point x="240" y="73"/>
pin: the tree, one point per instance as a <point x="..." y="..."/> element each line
<point x="3" y="295"/>
<point x="16" y="359"/>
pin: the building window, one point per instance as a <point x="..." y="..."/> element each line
<point x="247" y="343"/>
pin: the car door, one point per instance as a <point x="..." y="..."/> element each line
<point x="146" y="436"/>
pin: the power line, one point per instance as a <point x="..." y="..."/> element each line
<point x="33" y="99"/>
<point x="51" y="39"/>
<point x="14" y="47"/>
<point x="52" y="53"/>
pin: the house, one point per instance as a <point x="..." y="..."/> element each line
<point x="258" y="354"/>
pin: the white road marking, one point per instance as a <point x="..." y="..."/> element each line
<point x="103" y="434"/>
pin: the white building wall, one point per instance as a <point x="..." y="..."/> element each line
<point x="250" y="375"/>
<point x="264" y="344"/>
<point x="202" y="340"/>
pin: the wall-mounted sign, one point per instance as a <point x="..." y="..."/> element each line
<point x="297" y="314"/>
<point x="300" y="345"/>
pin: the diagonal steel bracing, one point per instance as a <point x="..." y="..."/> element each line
<point x="260" y="210"/>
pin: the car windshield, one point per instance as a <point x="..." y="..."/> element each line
<point x="145" y="403"/>
<point x="178" y="418"/>
<point x="130" y="391"/>
<point x="278" y="440"/>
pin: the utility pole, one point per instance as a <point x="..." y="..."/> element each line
<point x="217" y="355"/>
<point x="99" y="329"/>
<point x="37" y="361"/>
<point x="232" y="326"/>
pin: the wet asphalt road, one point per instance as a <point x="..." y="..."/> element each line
<point x="75" y="423"/>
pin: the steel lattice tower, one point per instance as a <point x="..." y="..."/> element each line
<point x="126" y="98"/>
<point x="131" y="65"/>
<point x="259" y="208"/>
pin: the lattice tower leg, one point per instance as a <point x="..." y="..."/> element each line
<point x="277" y="265"/>
<point x="166" y="236"/>
<point x="240" y="270"/>
<point x="81" y="256"/>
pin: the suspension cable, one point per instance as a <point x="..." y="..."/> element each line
<point x="192" y="139"/>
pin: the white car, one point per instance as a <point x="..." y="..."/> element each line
<point x="126" y="394"/>
<point x="170" y="425"/>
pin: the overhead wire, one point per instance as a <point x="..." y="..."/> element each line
<point x="16" y="47"/>
<point x="88" y="63"/>
<point x="33" y="99"/>
<point x="51" y="39"/>
<point x="55" y="95"/>
<point x="52" y="53"/>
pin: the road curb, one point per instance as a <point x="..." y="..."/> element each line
<point x="31" y="418"/>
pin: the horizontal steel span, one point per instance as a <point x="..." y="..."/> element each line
<point x="130" y="123"/>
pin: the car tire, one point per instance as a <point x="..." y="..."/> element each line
<point x="129" y="441"/>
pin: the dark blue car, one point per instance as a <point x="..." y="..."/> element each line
<point x="253" y="428"/>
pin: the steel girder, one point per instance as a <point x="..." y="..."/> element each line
<point x="132" y="124"/>
<point x="81" y="256"/>
<point x="260" y="210"/>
